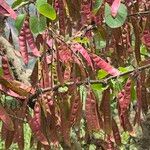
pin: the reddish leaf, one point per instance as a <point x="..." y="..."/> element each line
<point x="17" y="88"/>
<point x="6" y="119"/>
<point x="105" y="107"/>
<point x="78" y="47"/>
<point x="114" y="7"/>
<point x="6" y="68"/>
<point x="91" y="113"/>
<point x="23" y="46"/>
<point x="11" y="93"/>
<point x="100" y="63"/>
<point x="5" y="9"/>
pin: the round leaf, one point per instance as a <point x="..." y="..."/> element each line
<point x="47" y="10"/>
<point x="119" y="19"/>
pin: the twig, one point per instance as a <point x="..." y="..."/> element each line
<point x="140" y="13"/>
<point x="104" y="81"/>
<point x="15" y="117"/>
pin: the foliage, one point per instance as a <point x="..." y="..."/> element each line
<point x="89" y="84"/>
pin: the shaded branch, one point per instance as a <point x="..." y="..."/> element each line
<point x="104" y="81"/>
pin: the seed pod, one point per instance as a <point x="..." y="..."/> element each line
<point x="30" y="39"/>
<point x="100" y="63"/>
<point x="116" y="132"/>
<point x="76" y="109"/>
<point x="6" y="69"/>
<point x="23" y="46"/>
<point x="91" y="113"/>
<point x="35" y="127"/>
<point x="106" y="110"/>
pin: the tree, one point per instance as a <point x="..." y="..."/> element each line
<point x="89" y="84"/>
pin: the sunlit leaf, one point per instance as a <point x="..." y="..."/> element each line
<point x="47" y="10"/>
<point x="19" y="21"/>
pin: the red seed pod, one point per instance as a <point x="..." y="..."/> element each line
<point x="30" y="39"/>
<point x="76" y="109"/>
<point x="37" y="113"/>
<point x="62" y="16"/>
<point x="116" y="132"/>
<point x="124" y="99"/>
<point x="86" y="13"/>
<point x="67" y="72"/>
<point x="91" y="113"/>
<point x="78" y="47"/>
<point x="23" y="46"/>
<point x="106" y="110"/>
<point x="6" y="68"/>
<point x="35" y="127"/>
<point x="100" y="63"/>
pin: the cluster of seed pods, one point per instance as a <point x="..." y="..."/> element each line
<point x="26" y="37"/>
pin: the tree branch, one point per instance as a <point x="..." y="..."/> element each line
<point x="104" y="81"/>
<point x="15" y="61"/>
<point x="140" y="13"/>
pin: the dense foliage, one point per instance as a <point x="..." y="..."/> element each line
<point x="75" y="71"/>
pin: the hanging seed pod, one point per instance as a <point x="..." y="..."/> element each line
<point x="106" y="110"/>
<point x="116" y="132"/>
<point x="30" y="39"/>
<point x="6" y="68"/>
<point x="76" y="109"/>
<point x="23" y="46"/>
<point x="35" y="127"/>
<point x="91" y="113"/>
<point x="100" y="63"/>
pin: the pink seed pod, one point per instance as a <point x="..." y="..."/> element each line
<point x="6" y="68"/>
<point x="30" y="39"/>
<point x="23" y="46"/>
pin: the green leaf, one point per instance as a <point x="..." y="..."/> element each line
<point x="97" y="5"/>
<point x="18" y="3"/>
<point x="102" y="74"/>
<point x="119" y="20"/>
<point x="19" y="21"/>
<point x="125" y="69"/>
<point x="34" y="24"/>
<point x="42" y="24"/>
<point x="100" y="37"/>
<point x="40" y="2"/>
<point x="37" y="25"/>
<point x="47" y="11"/>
